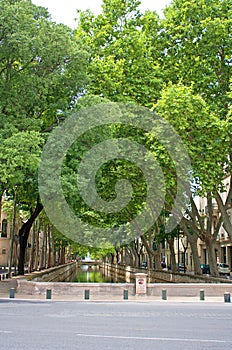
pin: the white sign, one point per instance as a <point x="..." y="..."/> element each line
<point x="141" y="283"/>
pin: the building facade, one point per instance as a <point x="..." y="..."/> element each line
<point x="4" y="241"/>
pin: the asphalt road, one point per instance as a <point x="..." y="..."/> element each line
<point x="34" y="325"/>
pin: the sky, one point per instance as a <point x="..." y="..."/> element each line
<point x="64" y="11"/>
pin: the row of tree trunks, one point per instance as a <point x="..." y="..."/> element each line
<point x="43" y="253"/>
<point x="133" y="254"/>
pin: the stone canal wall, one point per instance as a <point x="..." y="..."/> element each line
<point x="39" y="283"/>
<point x="189" y="289"/>
<point x="112" y="290"/>
<point x="127" y="273"/>
<point x="119" y="273"/>
<point x="54" y="274"/>
<point x="75" y="290"/>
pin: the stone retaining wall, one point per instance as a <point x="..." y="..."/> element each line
<point x="7" y="284"/>
<point x="166" y="276"/>
<point x="74" y="289"/>
<point x="38" y="283"/>
<point x="126" y="273"/>
<point x="188" y="290"/>
<point x="111" y="290"/>
<point x="54" y="274"/>
<point x="119" y="273"/>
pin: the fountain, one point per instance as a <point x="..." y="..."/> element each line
<point x="88" y="257"/>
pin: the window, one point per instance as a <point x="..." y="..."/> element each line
<point x="4" y="228"/>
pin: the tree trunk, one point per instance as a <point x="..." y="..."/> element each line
<point x="49" y="237"/>
<point x="135" y="257"/>
<point x="45" y="246"/>
<point x="157" y="258"/>
<point x="32" y="255"/>
<point x="151" y="251"/>
<point x="192" y="239"/>
<point x="53" y="249"/>
<point x="128" y="256"/>
<point x="62" y="257"/>
<point x="210" y="246"/>
<point x="36" y="259"/>
<point x="24" y="232"/>
<point x="12" y="233"/>
<point x="41" y="265"/>
<point x="223" y="208"/>
<point x="172" y="254"/>
<point x="150" y="262"/>
<point x="154" y="256"/>
<point x="117" y="255"/>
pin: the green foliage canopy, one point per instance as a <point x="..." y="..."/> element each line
<point x="124" y="50"/>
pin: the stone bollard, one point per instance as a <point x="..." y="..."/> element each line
<point x="202" y="294"/>
<point x="125" y="294"/>
<point x="48" y="294"/>
<point x="12" y="293"/>
<point x="86" y="294"/>
<point x="164" y="294"/>
<point x="227" y="297"/>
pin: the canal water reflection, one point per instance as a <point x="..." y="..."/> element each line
<point x="91" y="274"/>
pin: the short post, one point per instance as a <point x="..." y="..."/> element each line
<point x="164" y="294"/>
<point x="86" y="294"/>
<point x="125" y="294"/>
<point x="227" y="297"/>
<point x="48" y="294"/>
<point x="12" y="293"/>
<point x="202" y="294"/>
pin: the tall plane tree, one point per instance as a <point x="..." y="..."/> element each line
<point x="124" y="50"/>
<point x="42" y="70"/>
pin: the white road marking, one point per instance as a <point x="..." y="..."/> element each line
<point x="154" y="338"/>
<point x="5" y="332"/>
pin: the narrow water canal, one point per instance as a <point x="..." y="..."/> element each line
<point x="92" y="274"/>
